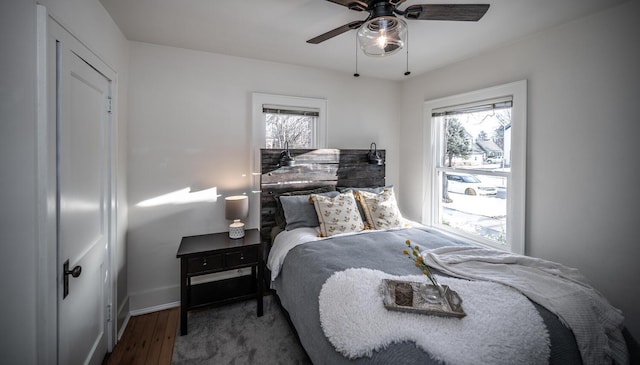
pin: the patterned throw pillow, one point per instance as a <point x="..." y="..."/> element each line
<point x="381" y="210"/>
<point x="337" y="215"/>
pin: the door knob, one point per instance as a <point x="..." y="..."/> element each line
<point x="75" y="272"/>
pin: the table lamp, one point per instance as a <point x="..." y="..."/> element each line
<point x="236" y="207"/>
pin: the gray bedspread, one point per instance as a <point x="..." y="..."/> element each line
<point x="308" y="266"/>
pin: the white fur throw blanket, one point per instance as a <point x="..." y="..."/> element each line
<point x="501" y="326"/>
<point x="562" y="290"/>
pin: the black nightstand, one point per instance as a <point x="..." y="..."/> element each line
<point x="211" y="253"/>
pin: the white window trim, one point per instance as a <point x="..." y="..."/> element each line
<point x="259" y="99"/>
<point x="516" y="187"/>
<point x="258" y="135"/>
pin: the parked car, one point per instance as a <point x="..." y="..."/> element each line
<point x="468" y="184"/>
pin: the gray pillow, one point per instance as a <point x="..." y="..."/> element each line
<point x="279" y="215"/>
<point x="299" y="212"/>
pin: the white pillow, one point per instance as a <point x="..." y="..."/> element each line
<point x="338" y="214"/>
<point x="381" y="210"/>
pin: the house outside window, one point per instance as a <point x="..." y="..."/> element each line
<point x="476" y="167"/>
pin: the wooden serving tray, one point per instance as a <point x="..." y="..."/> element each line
<point x="451" y="306"/>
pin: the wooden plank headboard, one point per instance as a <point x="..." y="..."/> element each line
<point x="313" y="168"/>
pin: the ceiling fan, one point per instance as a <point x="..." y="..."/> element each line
<point x="382" y="33"/>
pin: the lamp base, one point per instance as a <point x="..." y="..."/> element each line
<point x="236" y="229"/>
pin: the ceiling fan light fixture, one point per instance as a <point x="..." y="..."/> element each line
<point x="382" y="36"/>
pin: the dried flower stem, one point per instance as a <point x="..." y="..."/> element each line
<point x="419" y="262"/>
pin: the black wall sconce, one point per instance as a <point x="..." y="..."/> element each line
<point x="373" y="156"/>
<point x="286" y="159"/>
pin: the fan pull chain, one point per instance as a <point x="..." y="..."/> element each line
<point x="356" y="74"/>
<point x="407" y="73"/>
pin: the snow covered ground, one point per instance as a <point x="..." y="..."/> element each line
<point x="483" y="215"/>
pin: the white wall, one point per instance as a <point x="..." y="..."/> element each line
<point x="18" y="223"/>
<point x="190" y="126"/>
<point x="583" y="91"/>
<point x="17" y="181"/>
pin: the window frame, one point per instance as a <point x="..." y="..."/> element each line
<point x="277" y="110"/>
<point x="516" y="185"/>
<point x="319" y="139"/>
<point x="259" y="127"/>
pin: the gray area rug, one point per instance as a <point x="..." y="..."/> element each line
<point x="233" y="334"/>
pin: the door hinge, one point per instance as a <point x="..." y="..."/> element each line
<point x="108" y="316"/>
<point x="109" y="104"/>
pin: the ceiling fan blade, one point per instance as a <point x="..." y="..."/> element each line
<point x="395" y="2"/>
<point x="457" y="12"/>
<point x="357" y="5"/>
<point x="334" y="32"/>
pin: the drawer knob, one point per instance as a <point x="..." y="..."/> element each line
<point x="204" y="262"/>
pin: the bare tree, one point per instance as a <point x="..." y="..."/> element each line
<point x="294" y="129"/>
<point x="504" y="118"/>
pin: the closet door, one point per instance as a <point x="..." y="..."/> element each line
<point x="83" y="175"/>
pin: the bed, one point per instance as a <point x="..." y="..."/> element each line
<point x="321" y="282"/>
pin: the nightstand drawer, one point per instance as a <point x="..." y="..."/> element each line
<point x="203" y="264"/>
<point x="242" y="257"/>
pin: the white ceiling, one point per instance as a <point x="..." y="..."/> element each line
<point x="277" y="30"/>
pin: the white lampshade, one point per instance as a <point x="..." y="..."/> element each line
<point x="236" y="207"/>
<point x="382" y="36"/>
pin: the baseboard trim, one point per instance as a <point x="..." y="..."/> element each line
<point x="141" y="311"/>
<point x="122" y="317"/>
<point x="155" y="308"/>
<point x="124" y="326"/>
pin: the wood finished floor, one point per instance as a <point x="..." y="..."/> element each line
<point x="147" y="339"/>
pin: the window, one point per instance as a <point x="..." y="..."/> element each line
<point x="299" y="121"/>
<point x="278" y="119"/>
<point x="297" y="127"/>
<point x="475" y="180"/>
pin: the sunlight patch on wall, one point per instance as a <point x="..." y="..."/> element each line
<point x="255" y="176"/>
<point x="182" y="196"/>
